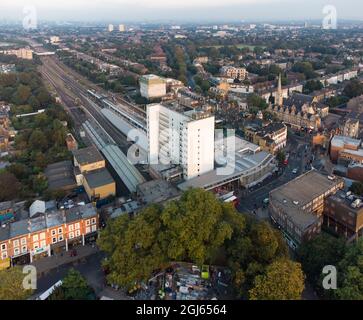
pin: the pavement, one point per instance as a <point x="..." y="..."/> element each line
<point x="44" y="265"/>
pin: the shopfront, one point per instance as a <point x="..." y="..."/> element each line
<point x="21" y="259"/>
<point x="91" y="238"/>
<point x="39" y="253"/>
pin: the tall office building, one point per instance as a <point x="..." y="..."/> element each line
<point x="110" y="27"/>
<point x="181" y="136"/>
<point x="121" y="28"/>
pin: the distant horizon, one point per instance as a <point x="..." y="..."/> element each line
<point x="187" y="11"/>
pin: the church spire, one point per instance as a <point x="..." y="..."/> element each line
<point x="279" y="99"/>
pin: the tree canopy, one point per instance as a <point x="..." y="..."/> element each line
<point x="326" y="250"/>
<point x="283" y="280"/>
<point x="197" y="228"/>
<point x="74" y="287"/>
<point x="11" y="285"/>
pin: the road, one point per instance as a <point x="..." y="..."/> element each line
<point x="90" y="268"/>
<point x="300" y="154"/>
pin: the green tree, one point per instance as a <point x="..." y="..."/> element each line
<point x="281" y="156"/>
<point x="39" y="183"/>
<point x="11" y="285"/>
<point x="283" y="280"/>
<point x="317" y="253"/>
<point x="9" y="186"/>
<point x="350" y="273"/>
<point x="353" y="89"/>
<point x="357" y="188"/>
<point x="22" y="94"/>
<point x="352" y="285"/>
<point x="312" y="85"/>
<point x="75" y="286"/>
<point x="38" y="140"/>
<point x="251" y="251"/>
<point x="183" y="220"/>
<point x="134" y="247"/>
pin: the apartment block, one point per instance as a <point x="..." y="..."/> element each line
<point x="297" y="207"/>
<point x="181" y="136"/>
<point x="45" y="233"/>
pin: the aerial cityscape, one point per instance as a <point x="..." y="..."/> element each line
<point x="181" y="150"/>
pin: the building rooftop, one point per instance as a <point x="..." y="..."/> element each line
<point x="342" y="141"/>
<point x="294" y="195"/>
<point x="98" y="178"/>
<point x="152" y="78"/>
<point x="48" y="220"/>
<point x="304" y="188"/>
<point x="156" y="191"/>
<point x="87" y="155"/>
<point x="18" y="228"/>
<point x="347" y="200"/>
<point x="4" y="232"/>
<point x="6" y="205"/>
<point x="79" y="212"/>
<point x="245" y="159"/>
<point x="60" y="175"/>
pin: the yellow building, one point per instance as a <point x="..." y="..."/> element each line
<point x="99" y="184"/>
<point x="88" y="159"/>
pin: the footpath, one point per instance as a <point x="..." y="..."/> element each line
<point x="48" y="264"/>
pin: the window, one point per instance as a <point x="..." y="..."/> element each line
<point x="24" y="249"/>
<point x="4" y="255"/>
<point x="78" y="233"/>
<point x="43" y="243"/>
<point x="70" y="227"/>
<point x="16" y="243"/>
<point x="42" y="236"/>
<point x="88" y="230"/>
<point x="76" y="226"/>
<point x="94" y="220"/>
<point x="16" y="251"/>
<point x="36" y="245"/>
<point x="94" y="228"/>
<point x="88" y="222"/>
<point x="54" y="232"/>
<point x="71" y="235"/>
<point x="3" y="247"/>
<point x="54" y="240"/>
<point x="60" y="230"/>
<point x="60" y="238"/>
<point x="35" y="238"/>
<point x="23" y="241"/>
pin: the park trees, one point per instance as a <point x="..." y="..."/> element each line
<point x="197" y="228"/>
<point x="11" y="285"/>
<point x="282" y="280"/>
<point x="350" y="269"/>
<point x="353" y="89"/>
<point x="327" y="250"/>
<point x="10" y="186"/>
<point x="74" y="287"/>
<point x="134" y="247"/>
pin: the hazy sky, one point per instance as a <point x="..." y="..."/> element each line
<point x="189" y="10"/>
